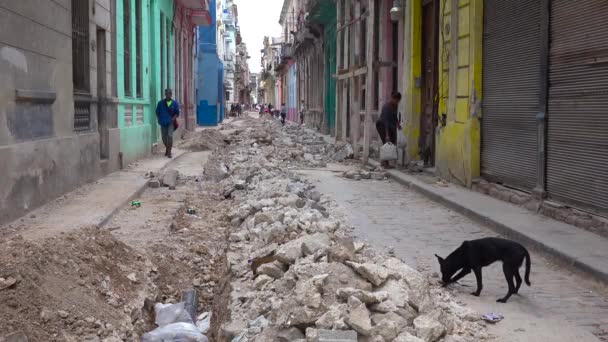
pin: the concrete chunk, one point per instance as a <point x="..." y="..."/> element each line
<point x="320" y="335"/>
<point x="170" y="178"/>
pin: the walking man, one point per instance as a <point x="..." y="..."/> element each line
<point x="388" y="123"/>
<point x="167" y="111"/>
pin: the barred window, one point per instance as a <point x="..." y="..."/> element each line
<point x="127" y="45"/>
<point x="80" y="46"/>
<point x="168" y="51"/>
<point x="80" y="65"/>
<point x="162" y="55"/>
<point x="138" y="52"/>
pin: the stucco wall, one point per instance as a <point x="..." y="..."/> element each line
<point x="37" y="171"/>
<point x="42" y="157"/>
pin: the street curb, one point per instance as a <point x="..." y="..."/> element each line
<point x="567" y="260"/>
<point x="140" y="190"/>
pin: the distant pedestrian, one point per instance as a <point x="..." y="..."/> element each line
<point x="167" y="112"/>
<point x="302" y="110"/>
<point x="388" y="123"/>
<point x="283" y="113"/>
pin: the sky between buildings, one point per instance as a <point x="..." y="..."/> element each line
<point x="258" y="18"/>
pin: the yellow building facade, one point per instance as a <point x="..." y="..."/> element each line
<point x="457" y="28"/>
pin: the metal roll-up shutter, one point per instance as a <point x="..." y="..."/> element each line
<point x="577" y="136"/>
<point x="510" y="94"/>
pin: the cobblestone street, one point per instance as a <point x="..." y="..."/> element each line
<point x="559" y="306"/>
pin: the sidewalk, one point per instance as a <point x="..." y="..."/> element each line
<point x="578" y="249"/>
<point x="92" y="204"/>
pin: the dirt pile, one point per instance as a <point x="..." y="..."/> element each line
<point x="102" y="284"/>
<point x="74" y="287"/>
<point x="205" y="140"/>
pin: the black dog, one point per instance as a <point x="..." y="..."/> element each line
<point x="475" y="254"/>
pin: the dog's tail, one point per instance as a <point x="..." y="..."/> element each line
<point x="528" y="265"/>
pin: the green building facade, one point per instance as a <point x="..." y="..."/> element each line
<point x="144" y="65"/>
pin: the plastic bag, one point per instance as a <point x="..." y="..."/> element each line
<point x="176" y="332"/>
<point x="171" y="313"/>
<point x="401" y="139"/>
<point x="203" y="322"/>
<point x="388" y="152"/>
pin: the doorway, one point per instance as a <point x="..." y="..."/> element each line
<point x="102" y="95"/>
<point x="429" y="73"/>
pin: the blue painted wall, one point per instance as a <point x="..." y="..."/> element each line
<point x="220" y="89"/>
<point x="208" y="100"/>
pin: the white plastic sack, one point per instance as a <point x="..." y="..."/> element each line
<point x="401" y="139"/>
<point x="388" y="152"/>
<point x="171" y="313"/>
<point x="203" y="322"/>
<point x="176" y="332"/>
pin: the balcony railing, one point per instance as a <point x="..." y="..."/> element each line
<point x="286" y="52"/>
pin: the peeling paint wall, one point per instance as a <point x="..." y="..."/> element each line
<point x="459" y="87"/>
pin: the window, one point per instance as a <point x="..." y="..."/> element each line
<point x="168" y="51"/>
<point x="342" y="23"/>
<point x="162" y="55"/>
<point x="138" y="52"/>
<point x="80" y="65"/>
<point x="80" y="46"/>
<point x="395" y="57"/>
<point x="127" y="45"/>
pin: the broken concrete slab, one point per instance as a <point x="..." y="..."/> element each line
<point x="374" y="273"/>
<point x="358" y="318"/>
<point x="322" y="335"/>
<point x="333" y="318"/>
<point x="272" y="269"/>
<point x="428" y="328"/>
<point x="261" y="280"/>
<point x="364" y="296"/>
<point x="290" y="334"/>
<point x="170" y="178"/>
<point x="407" y="337"/>
<point x="314" y="243"/>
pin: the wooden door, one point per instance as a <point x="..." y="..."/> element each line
<point x="429" y="72"/>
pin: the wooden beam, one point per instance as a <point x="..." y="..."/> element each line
<point x="367" y="128"/>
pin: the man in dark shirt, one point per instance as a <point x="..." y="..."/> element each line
<point x="388" y="123"/>
<point x="167" y="111"/>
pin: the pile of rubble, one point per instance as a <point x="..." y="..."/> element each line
<point x="307" y="148"/>
<point x="298" y="276"/>
<point x="205" y="140"/>
<point x="367" y="172"/>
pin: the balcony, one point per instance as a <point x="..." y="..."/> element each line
<point x="198" y="11"/>
<point x="286" y="52"/>
<point x="227" y="19"/>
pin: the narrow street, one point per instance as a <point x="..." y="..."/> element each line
<point x="249" y="193"/>
<point x="303" y="171"/>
